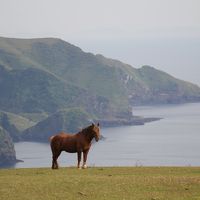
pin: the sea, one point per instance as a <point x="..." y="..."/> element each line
<point x="172" y="141"/>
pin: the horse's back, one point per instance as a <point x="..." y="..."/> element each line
<point x="59" y="137"/>
<point x="64" y="142"/>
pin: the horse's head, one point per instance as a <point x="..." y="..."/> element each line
<point x="96" y="131"/>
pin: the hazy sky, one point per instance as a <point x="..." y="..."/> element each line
<point x="161" y="33"/>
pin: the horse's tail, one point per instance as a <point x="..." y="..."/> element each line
<point x="50" y="139"/>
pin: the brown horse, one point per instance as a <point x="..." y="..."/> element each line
<point x="74" y="143"/>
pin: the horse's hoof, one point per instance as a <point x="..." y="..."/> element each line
<point x="84" y="166"/>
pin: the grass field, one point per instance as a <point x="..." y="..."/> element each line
<point x="141" y="183"/>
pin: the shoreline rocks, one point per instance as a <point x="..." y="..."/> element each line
<point x="7" y="151"/>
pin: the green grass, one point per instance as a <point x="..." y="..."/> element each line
<point x="21" y="123"/>
<point x="153" y="183"/>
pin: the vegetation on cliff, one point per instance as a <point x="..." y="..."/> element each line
<point x="70" y="120"/>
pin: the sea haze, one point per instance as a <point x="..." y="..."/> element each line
<point x="172" y="141"/>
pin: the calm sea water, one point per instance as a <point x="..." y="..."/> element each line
<point x="172" y="141"/>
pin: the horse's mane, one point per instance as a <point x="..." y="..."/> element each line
<point x="85" y="130"/>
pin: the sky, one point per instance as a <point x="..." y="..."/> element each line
<point x="161" y="33"/>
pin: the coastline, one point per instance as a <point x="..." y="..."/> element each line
<point x="134" y="121"/>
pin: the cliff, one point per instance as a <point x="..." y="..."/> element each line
<point x="7" y="152"/>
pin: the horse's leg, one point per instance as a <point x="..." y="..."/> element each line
<point x="85" y="153"/>
<point x="53" y="163"/>
<point x="79" y="158"/>
<point x="54" y="160"/>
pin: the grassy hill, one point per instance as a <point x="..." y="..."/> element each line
<point x="69" y="68"/>
<point x="131" y="183"/>
<point x="65" y="61"/>
<point x="70" y="120"/>
<point x="162" y="88"/>
<point x="35" y="91"/>
<point x="14" y="124"/>
<point x="20" y="123"/>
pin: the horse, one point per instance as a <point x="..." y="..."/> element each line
<point x="74" y="143"/>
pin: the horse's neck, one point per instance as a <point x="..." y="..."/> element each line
<point x="88" y="135"/>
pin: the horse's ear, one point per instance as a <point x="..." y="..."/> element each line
<point x="92" y="124"/>
<point x="98" y="124"/>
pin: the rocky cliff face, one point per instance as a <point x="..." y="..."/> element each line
<point x="9" y="127"/>
<point x="147" y="86"/>
<point x="7" y="152"/>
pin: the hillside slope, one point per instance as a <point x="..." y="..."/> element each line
<point x="162" y="88"/>
<point x="120" y="84"/>
<point x="14" y="124"/>
<point x="33" y="90"/>
<point x="70" y="121"/>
